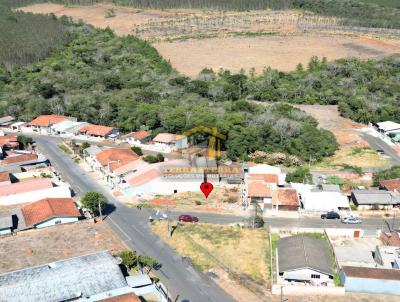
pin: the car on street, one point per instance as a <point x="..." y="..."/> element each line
<point x="188" y="218"/>
<point x="351" y="220"/>
<point x="330" y="215"/>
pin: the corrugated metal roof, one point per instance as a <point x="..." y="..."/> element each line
<point x="380" y="197"/>
<point x="82" y="276"/>
<point x="301" y="251"/>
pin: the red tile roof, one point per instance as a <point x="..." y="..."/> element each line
<point x="19" y="158"/>
<point x="258" y="189"/>
<point x="371" y="273"/>
<point x="288" y="197"/>
<point x="8" y="140"/>
<point x="96" y="130"/>
<point x="116" y="157"/>
<point x="26" y="186"/>
<point x="141" y="134"/>
<point x="267" y="178"/>
<point x="392" y="238"/>
<point x="48" y="120"/>
<point x="143" y="178"/>
<point x="45" y="209"/>
<point x="131" y="297"/>
<point x="391" y="184"/>
<point x="4" y="176"/>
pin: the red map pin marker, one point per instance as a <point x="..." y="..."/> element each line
<point x="206" y="188"/>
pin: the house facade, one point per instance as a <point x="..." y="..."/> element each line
<point x="43" y="123"/>
<point x="171" y="141"/>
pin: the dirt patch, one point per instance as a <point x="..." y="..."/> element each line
<point x="35" y="247"/>
<point x="195" y="39"/>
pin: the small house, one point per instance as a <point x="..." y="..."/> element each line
<point x="67" y="128"/>
<point x="375" y="199"/>
<point x="138" y="137"/>
<point x="370" y="280"/>
<point x="287" y="199"/>
<point x="49" y="212"/>
<point x="6" y="121"/>
<point x="304" y="259"/>
<point x="97" y="131"/>
<point x="392" y="238"/>
<point x="392" y="185"/>
<point x="42" y="124"/>
<point x="388" y="126"/>
<point x="172" y="141"/>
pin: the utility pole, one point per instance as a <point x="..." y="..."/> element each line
<point x="101" y="215"/>
<point x="282" y="300"/>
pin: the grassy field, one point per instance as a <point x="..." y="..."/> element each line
<point x="384" y="3"/>
<point x="242" y="250"/>
<point x="353" y="156"/>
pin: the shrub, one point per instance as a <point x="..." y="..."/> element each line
<point x="92" y="200"/>
<point x="137" y="150"/>
<point x="301" y="175"/>
<point x="128" y="258"/>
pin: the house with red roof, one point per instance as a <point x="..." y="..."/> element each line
<point x="138" y="137"/>
<point x="115" y="163"/>
<point x="98" y="131"/>
<point x="286" y="199"/>
<point x="43" y="123"/>
<point x="391" y="184"/>
<point x="50" y="211"/>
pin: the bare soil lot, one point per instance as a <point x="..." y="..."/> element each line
<point x="194" y="39"/>
<point x="35" y="247"/>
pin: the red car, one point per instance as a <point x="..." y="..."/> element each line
<point x="188" y="218"/>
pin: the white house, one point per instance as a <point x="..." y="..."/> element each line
<point x="388" y="126"/>
<point x="43" y="123"/>
<point x="49" y="212"/>
<point x="67" y="128"/>
<point x="173" y="141"/>
<point x="304" y="259"/>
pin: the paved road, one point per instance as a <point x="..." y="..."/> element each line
<point x="132" y="226"/>
<point x="378" y="144"/>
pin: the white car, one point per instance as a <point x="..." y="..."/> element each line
<point x="351" y="220"/>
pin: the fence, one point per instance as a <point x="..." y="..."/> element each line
<point x="302" y="290"/>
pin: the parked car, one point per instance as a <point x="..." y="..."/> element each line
<point x="330" y="215"/>
<point x="351" y="220"/>
<point x="188" y="218"/>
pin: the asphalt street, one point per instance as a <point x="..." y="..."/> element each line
<point x="132" y="226"/>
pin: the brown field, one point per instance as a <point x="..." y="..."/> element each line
<point x="196" y="39"/>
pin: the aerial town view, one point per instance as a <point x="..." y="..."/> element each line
<point x="200" y="150"/>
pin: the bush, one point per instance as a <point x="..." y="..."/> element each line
<point x="128" y="258"/>
<point x="335" y="180"/>
<point x="258" y="222"/>
<point x="301" y="175"/>
<point x="25" y="141"/>
<point x="391" y="173"/>
<point x="137" y="150"/>
<point x="154" y="158"/>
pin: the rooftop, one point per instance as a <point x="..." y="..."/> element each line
<point x="19" y="158"/>
<point x="48" y="208"/>
<point x="130" y="297"/>
<point x="288" y="197"/>
<point x="257" y="188"/>
<point x="26" y="186"/>
<point x="165" y="138"/>
<point x="117" y="157"/>
<point x="371" y="273"/>
<point x="301" y="251"/>
<point x="391" y="184"/>
<point x="141" y="134"/>
<point x="267" y="178"/>
<point x="4" y="176"/>
<point x="63" y="280"/>
<point x="6" y="119"/>
<point x="48" y="120"/>
<point x="388" y="126"/>
<point x="96" y="130"/>
<point x="66" y="125"/>
<point x="93" y="150"/>
<point x="381" y="197"/>
<point x="8" y="140"/>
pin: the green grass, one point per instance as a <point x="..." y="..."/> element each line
<point x="64" y="148"/>
<point x="384" y="3"/>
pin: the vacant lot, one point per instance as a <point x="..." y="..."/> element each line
<point x="196" y="39"/>
<point x="35" y="247"/>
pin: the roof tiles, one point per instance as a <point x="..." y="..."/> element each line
<point x="48" y="120"/>
<point x="96" y="130"/>
<point x="288" y="197"/>
<point x="391" y="184"/>
<point x="116" y="157"/>
<point x="45" y="209"/>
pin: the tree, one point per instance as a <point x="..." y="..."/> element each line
<point x="137" y="150"/>
<point x="148" y="261"/>
<point x="391" y="173"/>
<point x="92" y="200"/>
<point x="129" y="258"/>
<point x="25" y="141"/>
<point x="301" y="175"/>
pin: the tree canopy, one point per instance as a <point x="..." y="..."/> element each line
<point x="92" y="201"/>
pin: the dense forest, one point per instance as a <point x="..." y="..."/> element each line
<point x="27" y="38"/>
<point x="101" y="78"/>
<point x="366" y="13"/>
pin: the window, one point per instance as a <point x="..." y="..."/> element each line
<point x="315" y="276"/>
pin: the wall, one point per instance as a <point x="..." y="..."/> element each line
<point x="52" y="221"/>
<point x="375" y="286"/>
<point x="304" y="290"/>
<point x="5" y="231"/>
<point x="55" y="192"/>
<point x="304" y="275"/>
